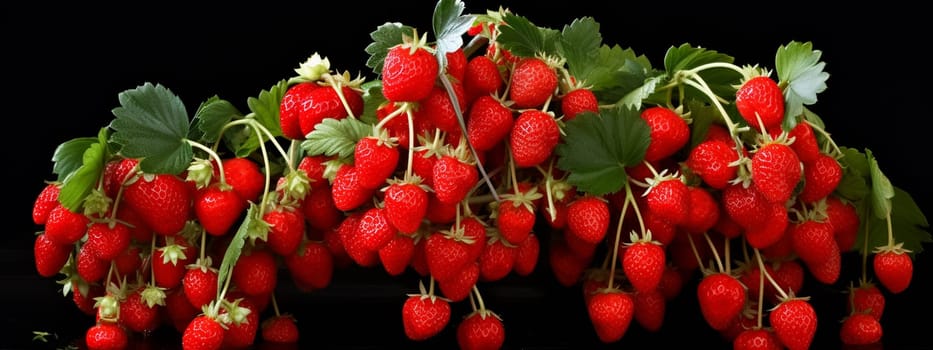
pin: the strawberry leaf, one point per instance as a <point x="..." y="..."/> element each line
<point x="635" y="97"/>
<point x="210" y="119"/>
<point x="881" y="189"/>
<point x="449" y="27"/>
<point x="385" y="37"/>
<point x="333" y="136"/>
<point x="265" y="107"/>
<point x="151" y="124"/>
<point x="617" y="72"/>
<point x="801" y="74"/>
<point x="524" y="39"/>
<point x="69" y="156"/>
<point x="598" y="147"/>
<point x="235" y="247"/>
<point x="854" y="183"/>
<point x="372" y="100"/>
<point x="79" y="182"/>
<point x="702" y="115"/>
<point x="579" y="44"/>
<point x="719" y="80"/>
<point x="908" y="223"/>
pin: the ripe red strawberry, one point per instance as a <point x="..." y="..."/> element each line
<point x="702" y="212"/>
<point x="771" y="230"/>
<point x="200" y="283"/>
<point x="526" y="255"/>
<point x="311" y="265"/>
<point x="821" y="176"/>
<point x="255" y="273"/>
<point x="286" y="229"/>
<point x="845" y="221"/>
<point x="163" y="202"/>
<point x="324" y="102"/>
<point x="893" y="267"/>
<point x="649" y="309"/>
<point x="396" y="255"/>
<point x="453" y="178"/>
<point x="45" y="202"/>
<point x="669" y="132"/>
<point x="515" y="215"/>
<point x="671" y="282"/>
<point x="137" y="315"/>
<point x="566" y="267"/>
<point x="611" y="312"/>
<point x="827" y="270"/>
<point x="789" y="274"/>
<point x="424" y="316"/>
<point x="710" y="161"/>
<point x="319" y="210"/>
<point x="241" y="330"/>
<point x="375" y="160"/>
<point x="178" y="311"/>
<point x="116" y="172"/>
<point x="746" y="206"/>
<point x="533" y="83"/>
<point x="481" y="78"/>
<point x="459" y="287"/>
<point x="129" y="261"/>
<point x="438" y="110"/>
<point x="292" y="103"/>
<point x="533" y="138"/>
<point x="662" y="230"/>
<point x="577" y="101"/>
<point x="169" y="262"/>
<point x="580" y="248"/>
<point x="64" y="226"/>
<point x="353" y="246"/>
<point x="346" y="190"/>
<point x="419" y="260"/>
<point x="860" y="329"/>
<point x="408" y="72"/>
<point x="446" y="254"/>
<point x="775" y="171"/>
<point x="89" y="267"/>
<point x="669" y="199"/>
<point x="218" y="209"/>
<point x="488" y="123"/>
<point x="50" y="256"/>
<point x="805" y="144"/>
<point x="644" y="262"/>
<point x="496" y="260"/>
<point x="106" y="336"/>
<point x="107" y="240"/>
<point x="456" y="64"/>
<point x="474" y="230"/>
<point x="481" y="330"/>
<point x="760" y="98"/>
<point x="245" y="176"/>
<point x="722" y="298"/>
<point x="756" y="339"/>
<point x="374" y="230"/>
<point x="203" y="333"/>
<point x="794" y="323"/>
<point x="866" y="298"/>
<point x="588" y="219"/>
<point x="812" y="240"/>
<point x="406" y="204"/>
<point x="280" y="330"/>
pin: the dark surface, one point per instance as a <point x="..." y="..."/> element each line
<point x="69" y="64"/>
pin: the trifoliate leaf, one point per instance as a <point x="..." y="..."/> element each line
<point x="372" y="100"/>
<point x="210" y="119"/>
<point x="524" y="39"/>
<point x="579" y="44"/>
<point x="235" y="247"/>
<point x="908" y="224"/>
<point x="69" y="156"/>
<point x="336" y="137"/>
<point x="265" y="107"/>
<point x="801" y="74"/>
<point x="385" y="37"/>
<point x="881" y="189"/>
<point x="152" y="125"/>
<point x="78" y="183"/>
<point x="598" y="147"/>
<point x="449" y="27"/>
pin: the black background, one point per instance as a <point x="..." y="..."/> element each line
<point x="65" y="65"/>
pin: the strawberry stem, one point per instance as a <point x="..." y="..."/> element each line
<point x="629" y="198"/>
<point x="215" y="156"/>
<point x="402" y="107"/>
<point x="761" y="293"/>
<point x="710" y="65"/>
<point x="696" y="253"/>
<point x="698" y="83"/>
<point x="830" y="142"/>
<point x="411" y="144"/>
<point x="338" y="88"/>
<point x="479" y="298"/>
<point x="275" y="305"/>
<point x="764" y="272"/>
<point x="865" y="250"/>
<point x="712" y="247"/>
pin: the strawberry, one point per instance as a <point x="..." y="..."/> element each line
<point x="280" y="329"/>
<point x="245" y="176"/>
<point x="408" y="72"/>
<point x="45" y="202"/>
<point x="178" y="311"/>
<point x="446" y="253"/>
<point x="771" y="231"/>
<point x="649" y="309"/>
<point x="163" y="202"/>
<point x="419" y="260"/>
<point x="456" y="64"/>
<point x="533" y="83"/>
<point x="290" y="108"/>
<point x="117" y="172"/>
<point x="671" y="282"/>
<point x="611" y="312"/>
<point x="526" y="255"/>
<point x="789" y="274"/>
<point x="375" y="159"/>
<point x="845" y="221"/>
<point x="453" y="178"/>
<point x="496" y="260"/>
<point x="669" y="132"/>
<point x="746" y="206"/>
<point x="396" y="255"/>
<point x="346" y="190"/>
<point x="324" y="102"/>
<point x="438" y="110"/>
<point x="319" y="210"/>
<point x="756" y="339"/>
<point x="481" y="77"/>
<point x="812" y="240"/>
<point x="424" y="316"/>
<point x="721" y="297"/>
<point x="474" y="230"/>
<point x="644" y="262"/>
<point x="588" y="218"/>
<point x="515" y="215"/>
<point x="106" y="336"/>
<point x="139" y="313"/>
<point x="459" y="287"/>
<point x="89" y="267"/>
<point x="217" y="209"/>
<point x="353" y="246"/>
<point x="406" y="204"/>
<point x="533" y="138"/>
<point x="374" y="231"/>
<point x="827" y="271"/>
<point x="439" y="212"/>
<point x="577" y="101"/>
<point x="169" y="262"/>
<point x="107" y="240"/>
<point x="580" y="248"/>
<point x="286" y="229"/>
<point x="893" y="267"/>
<point x="805" y="144"/>
<point x="710" y="160"/>
<point x="702" y="211"/>
<point x="423" y="160"/>
<point x="335" y="245"/>
<point x="488" y="123"/>
<point x="138" y="229"/>
<point x="64" y="226"/>
<point x="661" y="229"/>
<point x="50" y="257"/>
<point x="794" y="323"/>
<point x="821" y="176"/>
<point x="200" y="283"/>
<point x="866" y="298"/>
<point x="241" y="330"/>
<point x="775" y="171"/>
<point x="860" y="329"/>
<point x="566" y="267"/>
<point x="203" y="333"/>
<point x="481" y="330"/>
<point x="311" y="265"/>
<point x="255" y="273"/>
<point x="669" y="198"/>
<point x="760" y="97"/>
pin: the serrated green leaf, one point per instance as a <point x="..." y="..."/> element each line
<point x="336" y="137"/>
<point x="616" y="72"/>
<point x="265" y="107"/>
<point x="910" y="226"/>
<point x="881" y="189"/>
<point x="686" y="57"/>
<point x="598" y="147"/>
<point x="801" y="74"/>
<point x="69" y="156"/>
<point x="79" y="182"/>
<point x="703" y="116"/>
<point x="524" y="39"/>
<point x="635" y="97"/>
<point x="449" y="27"/>
<point x="152" y="125"/>
<point x="579" y="44"/>
<point x="210" y="119"/>
<point x="372" y="100"/>
<point x="235" y="247"/>
<point x="385" y="37"/>
<point x="855" y="175"/>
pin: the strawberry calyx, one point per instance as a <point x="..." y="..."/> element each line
<point x="171" y="252"/>
<point x="232" y="313"/>
<point x="635" y="238"/>
<point x="425" y="294"/>
<point x="200" y="172"/>
<point x="415" y="42"/>
<point x="522" y="198"/>
<point x="97" y="204"/>
<point x="204" y="264"/>
<point x="153" y="295"/>
<point x="894" y="248"/>
<point x="658" y="178"/>
<point x="295" y="188"/>
<point x="311" y="69"/>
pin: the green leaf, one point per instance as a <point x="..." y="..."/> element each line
<point x="524" y="39"/>
<point x="598" y="147"/>
<point x="635" y="97"/>
<point x="385" y="37"/>
<point x="235" y="247"/>
<point x="69" y="156"/>
<point x="703" y="115"/>
<point x="372" y="100"/>
<point x="908" y="223"/>
<point x="265" y="107"/>
<point x="333" y="136"/>
<point x="152" y="125"/>
<point x="616" y="72"/>
<point x="801" y="74"/>
<point x="210" y="119"/>
<point x="79" y="182"/>
<point x="881" y="189"/>
<point x="579" y="44"/>
<point x="719" y="80"/>
<point x="854" y="183"/>
<point x="449" y="27"/>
